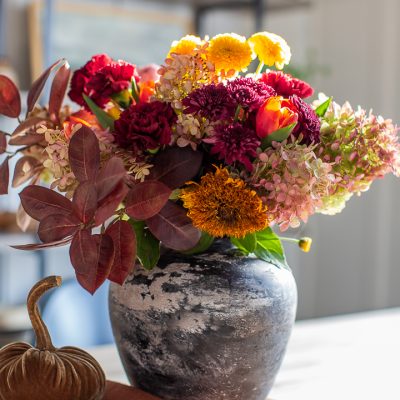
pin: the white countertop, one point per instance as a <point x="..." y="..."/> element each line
<point x="352" y="357"/>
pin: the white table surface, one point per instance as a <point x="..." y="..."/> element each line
<point x="353" y="357"/>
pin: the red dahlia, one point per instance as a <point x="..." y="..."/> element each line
<point x="145" y="126"/>
<point x="285" y="85"/>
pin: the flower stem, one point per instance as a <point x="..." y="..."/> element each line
<point x="43" y="339"/>
<point x="259" y="69"/>
<point x="287" y="239"/>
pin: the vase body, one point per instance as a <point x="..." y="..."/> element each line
<point x="204" y="327"/>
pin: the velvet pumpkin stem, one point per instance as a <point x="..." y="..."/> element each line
<point x="43" y="339"/>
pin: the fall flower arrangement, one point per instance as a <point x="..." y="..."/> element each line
<point x="184" y="153"/>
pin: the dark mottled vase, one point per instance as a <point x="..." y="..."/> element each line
<point x="205" y="327"/>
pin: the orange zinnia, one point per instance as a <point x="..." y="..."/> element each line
<point x="224" y="206"/>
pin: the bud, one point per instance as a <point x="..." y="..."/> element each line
<point x="305" y="244"/>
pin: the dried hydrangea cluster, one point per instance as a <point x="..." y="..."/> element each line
<point x="185" y="153"/>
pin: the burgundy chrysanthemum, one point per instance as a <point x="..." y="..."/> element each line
<point x="82" y="76"/>
<point x="145" y="126"/>
<point x="286" y="85"/>
<point x="249" y="93"/>
<point x="235" y="143"/>
<point x="111" y="79"/>
<point x="210" y="101"/>
<point x="308" y="123"/>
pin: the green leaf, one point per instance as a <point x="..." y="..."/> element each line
<point x="246" y="244"/>
<point x="148" y="247"/>
<point x="204" y="243"/>
<point x="278" y="136"/>
<point x="269" y="248"/>
<point x="135" y="91"/>
<point x="322" y="108"/>
<point x="105" y="120"/>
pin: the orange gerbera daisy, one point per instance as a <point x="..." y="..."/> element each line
<point x="224" y="206"/>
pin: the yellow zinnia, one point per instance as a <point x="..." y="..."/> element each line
<point x="224" y="206"/>
<point x="229" y="51"/>
<point x="271" y="49"/>
<point x="186" y="45"/>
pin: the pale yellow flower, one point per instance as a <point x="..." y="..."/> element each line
<point x="271" y="49"/>
<point x="229" y="51"/>
<point x="186" y="45"/>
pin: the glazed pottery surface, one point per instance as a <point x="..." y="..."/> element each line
<point x="204" y="327"/>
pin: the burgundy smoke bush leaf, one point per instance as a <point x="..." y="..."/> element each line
<point x="175" y="166"/>
<point x="109" y="177"/>
<point x="40" y="202"/>
<point x="23" y="219"/>
<point x="37" y="87"/>
<point x="85" y="201"/>
<point x="84" y="154"/>
<point x="106" y="253"/>
<point x="10" y="99"/>
<point x="57" y="227"/>
<point x="92" y="257"/>
<point x="26" y="125"/>
<point x="83" y="254"/>
<point x="146" y="199"/>
<point x="58" y="90"/>
<point x="3" y="143"/>
<point x="40" y="246"/>
<point x="25" y="168"/>
<point x="124" y="240"/>
<point x="174" y="228"/>
<point x="26" y="140"/>
<point x="4" y="177"/>
<point x="106" y="208"/>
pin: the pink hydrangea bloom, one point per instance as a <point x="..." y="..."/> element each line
<point x="292" y="181"/>
<point x="360" y="146"/>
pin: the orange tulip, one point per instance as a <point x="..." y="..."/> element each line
<point x="276" y="113"/>
<point x="82" y="117"/>
<point x="147" y="89"/>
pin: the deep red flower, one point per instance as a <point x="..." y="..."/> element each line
<point x="82" y="76"/>
<point x="235" y="143"/>
<point x="145" y="126"/>
<point x="308" y="123"/>
<point x="249" y="93"/>
<point x="286" y="85"/>
<point x="210" y="101"/>
<point x="111" y="79"/>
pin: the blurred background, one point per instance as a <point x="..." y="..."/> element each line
<point x="344" y="48"/>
